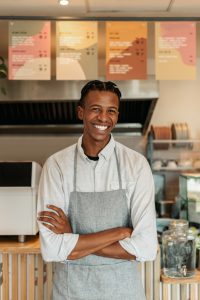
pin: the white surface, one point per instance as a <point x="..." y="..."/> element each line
<point x="35" y="174"/>
<point x="18" y="211"/>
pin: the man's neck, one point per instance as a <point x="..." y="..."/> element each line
<point x="94" y="148"/>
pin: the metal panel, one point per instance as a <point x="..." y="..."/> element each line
<point x="70" y="90"/>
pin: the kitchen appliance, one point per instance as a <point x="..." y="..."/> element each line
<point x="189" y="193"/>
<point x="40" y="116"/>
<point x="49" y="107"/>
<point x="18" y="198"/>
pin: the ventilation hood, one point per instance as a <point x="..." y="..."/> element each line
<point x="49" y="107"/>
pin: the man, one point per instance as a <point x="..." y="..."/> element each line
<point x="100" y="216"/>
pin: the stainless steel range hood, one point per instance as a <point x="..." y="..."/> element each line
<point x="47" y="107"/>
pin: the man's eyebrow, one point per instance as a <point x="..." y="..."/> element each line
<point x="94" y="105"/>
<point x="115" y="107"/>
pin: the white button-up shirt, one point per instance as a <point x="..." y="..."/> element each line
<point x="56" y="184"/>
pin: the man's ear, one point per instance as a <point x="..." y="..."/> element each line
<point x="80" y="112"/>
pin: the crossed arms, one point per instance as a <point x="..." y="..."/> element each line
<point x="103" y="243"/>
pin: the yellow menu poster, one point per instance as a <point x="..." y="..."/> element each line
<point x="76" y="50"/>
<point x="126" y="50"/>
<point x="29" y="50"/>
<point x="175" y="56"/>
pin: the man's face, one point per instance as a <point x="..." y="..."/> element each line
<point x="99" y="115"/>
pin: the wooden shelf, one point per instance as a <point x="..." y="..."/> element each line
<point x="178" y="169"/>
<point x="175" y="141"/>
<point x="9" y="244"/>
<point x="194" y="279"/>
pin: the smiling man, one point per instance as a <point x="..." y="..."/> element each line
<point x="96" y="207"/>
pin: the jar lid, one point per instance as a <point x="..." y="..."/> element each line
<point x="179" y="224"/>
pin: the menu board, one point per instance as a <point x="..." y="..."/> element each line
<point x="76" y="53"/>
<point x="175" y="50"/>
<point x="29" y="50"/>
<point x="126" y="50"/>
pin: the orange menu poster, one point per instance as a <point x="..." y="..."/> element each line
<point x="76" y="53"/>
<point x="126" y="50"/>
<point x="29" y="50"/>
<point x="175" y="56"/>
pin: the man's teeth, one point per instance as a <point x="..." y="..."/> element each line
<point x="101" y="127"/>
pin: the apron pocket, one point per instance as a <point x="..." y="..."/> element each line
<point x="106" y="282"/>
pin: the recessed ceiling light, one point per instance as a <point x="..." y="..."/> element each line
<point x="63" y="2"/>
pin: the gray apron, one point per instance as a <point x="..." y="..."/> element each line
<point x="94" y="277"/>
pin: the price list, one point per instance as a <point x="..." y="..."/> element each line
<point x="29" y="50"/>
<point x="175" y="50"/>
<point x="76" y="50"/>
<point x="126" y="53"/>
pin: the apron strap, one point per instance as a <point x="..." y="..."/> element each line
<point x="75" y="169"/>
<point x="118" y="170"/>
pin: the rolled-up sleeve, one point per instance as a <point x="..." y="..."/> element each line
<point x="143" y="242"/>
<point x="54" y="247"/>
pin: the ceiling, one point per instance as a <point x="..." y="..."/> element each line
<point x="100" y="9"/>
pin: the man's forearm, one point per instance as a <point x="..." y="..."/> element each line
<point x="115" y="251"/>
<point x="93" y="242"/>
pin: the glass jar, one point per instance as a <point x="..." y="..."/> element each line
<point x="178" y="250"/>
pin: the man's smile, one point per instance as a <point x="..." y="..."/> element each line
<point x="101" y="127"/>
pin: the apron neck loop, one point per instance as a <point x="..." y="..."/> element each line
<point x="118" y="170"/>
<point x="75" y="168"/>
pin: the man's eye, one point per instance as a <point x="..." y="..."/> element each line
<point x="95" y="109"/>
<point x="112" y="111"/>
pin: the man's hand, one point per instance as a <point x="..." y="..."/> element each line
<point x="55" y="220"/>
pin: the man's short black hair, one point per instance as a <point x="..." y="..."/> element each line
<point x="98" y="85"/>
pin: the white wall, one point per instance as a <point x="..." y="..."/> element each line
<point x="179" y="101"/>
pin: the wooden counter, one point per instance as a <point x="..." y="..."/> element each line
<point x="11" y="245"/>
<point x="188" y="280"/>
<point x="25" y="275"/>
<point x="182" y="287"/>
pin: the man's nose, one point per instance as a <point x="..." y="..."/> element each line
<point x="103" y="116"/>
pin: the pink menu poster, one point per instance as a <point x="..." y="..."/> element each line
<point x="175" y="56"/>
<point x="76" y="50"/>
<point x="126" y="50"/>
<point x="29" y="50"/>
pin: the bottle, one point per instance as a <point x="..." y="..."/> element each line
<point x="178" y="250"/>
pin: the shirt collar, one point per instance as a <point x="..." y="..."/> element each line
<point x="106" y="152"/>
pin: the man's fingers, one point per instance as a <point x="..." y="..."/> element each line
<point x="51" y="215"/>
<point x="50" y="221"/>
<point x="51" y="228"/>
<point x="55" y="219"/>
<point x="58" y="210"/>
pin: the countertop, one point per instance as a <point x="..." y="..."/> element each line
<point x="10" y="244"/>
